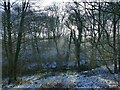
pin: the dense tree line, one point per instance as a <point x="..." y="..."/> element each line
<point x="91" y="28"/>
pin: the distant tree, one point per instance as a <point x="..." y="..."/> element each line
<point x="75" y="19"/>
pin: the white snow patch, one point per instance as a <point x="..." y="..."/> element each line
<point x="98" y="78"/>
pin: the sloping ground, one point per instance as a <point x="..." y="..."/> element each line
<point x="96" y="78"/>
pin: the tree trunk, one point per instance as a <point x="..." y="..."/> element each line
<point x="78" y="55"/>
<point x="118" y="48"/>
<point x="9" y="42"/>
<point x="19" y="39"/>
<point x="114" y="44"/>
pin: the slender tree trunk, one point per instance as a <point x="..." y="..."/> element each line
<point x="114" y="44"/>
<point x="25" y="5"/>
<point x="18" y="49"/>
<point x="119" y="58"/>
<point x="93" y="53"/>
<point x="78" y="55"/>
<point x="78" y="40"/>
<point x="118" y="48"/>
<point x="68" y="52"/>
<point x="24" y="40"/>
<point x="57" y="49"/>
<point x="56" y="44"/>
<point x="5" y="34"/>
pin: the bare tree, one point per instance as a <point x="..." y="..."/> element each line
<point x="11" y="55"/>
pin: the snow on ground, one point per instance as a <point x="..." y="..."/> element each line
<point x="96" y="78"/>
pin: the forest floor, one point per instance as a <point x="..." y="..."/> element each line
<point x="96" y="78"/>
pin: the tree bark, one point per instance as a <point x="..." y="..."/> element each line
<point x="9" y="48"/>
<point x="24" y="8"/>
<point x="114" y="44"/>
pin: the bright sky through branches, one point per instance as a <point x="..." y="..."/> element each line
<point x="49" y="2"/>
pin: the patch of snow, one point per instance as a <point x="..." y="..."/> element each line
<point x="98" y="78"/>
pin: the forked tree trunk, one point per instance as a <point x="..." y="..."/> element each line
<point x="24" y="8"/>
<point x="9" y="49"/>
